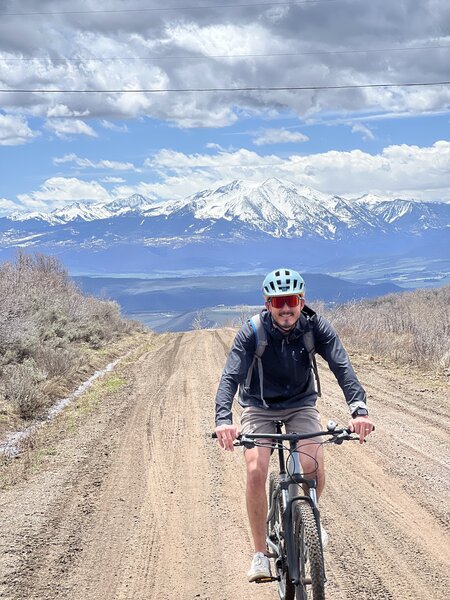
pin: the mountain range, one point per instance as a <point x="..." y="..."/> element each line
<point x="274" y="207"/>
<point x="238" y="227"/>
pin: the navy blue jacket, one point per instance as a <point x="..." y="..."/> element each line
<point x="288" y="380"/>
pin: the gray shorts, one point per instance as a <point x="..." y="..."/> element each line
<point x="296" y="420"/>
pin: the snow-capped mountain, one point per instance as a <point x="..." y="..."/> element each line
<point x="124" y="205"/>
<point x="88" y="212"/>
<point x="275" y="208"/>
<point x="235" y="227"/>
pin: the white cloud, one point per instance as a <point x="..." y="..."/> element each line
<point x="279" y="136"/>
<point x="112" y="180"/>
<point x="366" y="132"/>
<point x="114" y="127"/>
<point x="405" y="171"/>
<point x="7" y="207"/>
<point x="399" y="170"/>
<point x="15" y="131"/>
<point x="213" y="146"/>
<point x="61" y="110"/>
<point x="86" y="163"/>
<point x="230" y="48"/>
<point x="59" y="191"/>
<point x="67" y="127"/>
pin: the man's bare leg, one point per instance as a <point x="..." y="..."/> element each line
<point x="312" y="461"/>
<point x="257" y="460"/>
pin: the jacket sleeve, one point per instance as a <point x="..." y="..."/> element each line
<point x="235" y="372"/>
<point x="330" y="347"/>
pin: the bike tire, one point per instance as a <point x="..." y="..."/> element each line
<point x="309" y="554"/>
<point x="286" y="589"/>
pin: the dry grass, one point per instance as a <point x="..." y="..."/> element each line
<point x="409" y="328"/>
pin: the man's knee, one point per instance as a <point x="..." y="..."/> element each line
<point x="312" y="462"/>
<point x="257" y="469"/>
<point x="256" y="477"/>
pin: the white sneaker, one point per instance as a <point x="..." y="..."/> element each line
<point x="260" y="568"/>
<point x="324" y="536"/>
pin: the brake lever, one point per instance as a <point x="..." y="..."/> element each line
<point x="243" y="441"/>
<point x="343" y="437"/>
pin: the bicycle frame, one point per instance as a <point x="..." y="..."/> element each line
<point x="290" y="479"/>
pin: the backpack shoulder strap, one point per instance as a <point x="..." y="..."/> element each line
<point x="260" y="346"/>
<point x="260" y="334"/>
<point x="308" y="338"/>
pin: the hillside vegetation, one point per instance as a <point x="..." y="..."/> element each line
<point x="48" y="332"/>
<point x="409" y="328"/>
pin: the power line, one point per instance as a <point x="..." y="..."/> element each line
<point x="235" y="89"/>
<point x="209" y="56"/>
<point x="166" y="9"/>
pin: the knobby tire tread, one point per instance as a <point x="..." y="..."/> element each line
<point x="307" y="539"/>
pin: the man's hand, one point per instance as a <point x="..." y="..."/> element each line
<point x="362" y="426"/>
<point x="226" y="434"/>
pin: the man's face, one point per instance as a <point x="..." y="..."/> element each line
<point x="286" y="316"/>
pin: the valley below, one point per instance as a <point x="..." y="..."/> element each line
<point x="138" y="502"/>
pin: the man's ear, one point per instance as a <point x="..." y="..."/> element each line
<point x="267" y="304"/>
<point x="302" y="303"/>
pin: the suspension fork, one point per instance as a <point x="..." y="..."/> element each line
<point x="294" y="480"/>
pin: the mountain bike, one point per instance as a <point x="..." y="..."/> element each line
<point x="293" y="522"/>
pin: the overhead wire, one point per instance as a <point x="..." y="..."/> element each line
<point x="224" y="89"/>
<point x="166" y="8"/>
<point x="203" y="57"/>
<point x="211" y="56"/>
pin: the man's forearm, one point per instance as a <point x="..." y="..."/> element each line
<point x="224" y="400"/>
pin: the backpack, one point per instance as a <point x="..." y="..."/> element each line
<point x="261" y="343"/>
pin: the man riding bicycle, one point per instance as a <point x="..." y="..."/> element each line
<point x="282" y="388"/>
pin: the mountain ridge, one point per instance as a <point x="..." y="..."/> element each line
<point x="275" y="207"/>
<point x="240" y="227"/>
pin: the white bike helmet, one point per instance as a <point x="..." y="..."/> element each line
<point x="283" y="282"/>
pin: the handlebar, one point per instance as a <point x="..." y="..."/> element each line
<point x="337" y="436"/>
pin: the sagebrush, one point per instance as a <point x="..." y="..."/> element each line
<point x="46" y="325"/>
<point x="407" y="328"/>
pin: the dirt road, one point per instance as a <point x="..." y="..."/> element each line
<point x="139" y="504"/>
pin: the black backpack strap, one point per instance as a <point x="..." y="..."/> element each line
<point x="308" y="338"/>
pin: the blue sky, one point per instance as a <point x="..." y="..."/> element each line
<point x="65" y="146"/>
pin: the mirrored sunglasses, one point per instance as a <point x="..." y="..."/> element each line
<point x="280" y="301"/>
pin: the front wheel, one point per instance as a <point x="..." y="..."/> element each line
<point x="275" y="531"/>
<point x="309" y="554"/>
